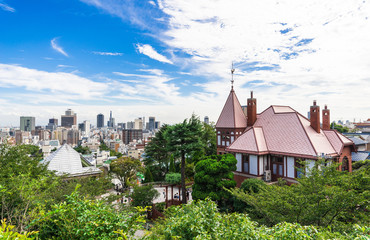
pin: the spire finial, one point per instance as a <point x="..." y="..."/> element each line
<point x="232" y="75"/>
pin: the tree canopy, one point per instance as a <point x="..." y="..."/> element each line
<point x="125" y="169"/>
<point x="324" y="197"/>
<point x="213" y="174"/>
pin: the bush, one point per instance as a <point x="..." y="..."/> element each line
<point x="253" y="185"/>
<point x="144" y="195"/>
<point x="359" y="164"/>
<point x="173" y="178"/>
<point x="80" y="218"/>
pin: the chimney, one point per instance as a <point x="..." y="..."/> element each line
<point x="251" y="110"/>
<point x="326" y="118"/>
<point x="315" y="117"/>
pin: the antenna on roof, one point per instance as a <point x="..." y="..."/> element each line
<point x="232" y="75"/>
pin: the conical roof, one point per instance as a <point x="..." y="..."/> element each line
<point x="232" y="115"/>
<point x="66" y="160"/>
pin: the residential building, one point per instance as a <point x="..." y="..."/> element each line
<point x="129" y="135"/>
<point x="27" y="124"/>
<point x="274" y="142"/>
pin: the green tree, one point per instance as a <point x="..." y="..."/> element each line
<point x="202" y="220"/>
<point x="209" y="137"/>
<point x="82" y="150"/>
<point x="81" y="218"/>
<point x="173" y="178"/>
<point x="126" y="169"/>
<point x="212" y="175"/>
<point x="339" y="128"/>
<point x="184" y="139"/>
<point x="172" y="165"/>
<point x="157" y="155"/>
<point x="148" y="175"/>
<point x="324" y="197"/>
<point x="144" y="195"/>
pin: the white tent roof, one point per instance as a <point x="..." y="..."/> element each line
<point x="66" y="160"/>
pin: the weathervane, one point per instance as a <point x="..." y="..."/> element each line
<point x="232" y="75"/>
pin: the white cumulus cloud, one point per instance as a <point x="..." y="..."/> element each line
<point x="149" y="51"/>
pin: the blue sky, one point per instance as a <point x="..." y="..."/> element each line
<point x="172" y="58"/>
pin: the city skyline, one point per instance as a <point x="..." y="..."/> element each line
<point x="172" y="58"/>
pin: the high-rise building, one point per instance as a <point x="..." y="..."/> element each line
<point x="27" y="123"/>
<point x="100" y="121"/>
<point x="87" y="127"/>
<point x="157" y="125"/>
<point x="53" y="124"/>
<point x="206" y="120"/>
<point x="69" y="119"/>
<point x="130" y="125"/>
<point x="111" y="122"/>
<point x="128" y="135"/>
<point x="138" y="123"/>
<point x="151" y="123"/>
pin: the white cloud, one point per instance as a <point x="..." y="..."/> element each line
<point x="315" y="50"/>
<point x="149" y="51"/>
<point x="66" y="85"/>
<point x="56" y="47"/>
<point x="6" y="7"/>
<point x="108" y="53"/>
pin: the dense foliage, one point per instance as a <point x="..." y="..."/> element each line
<point x="202" y="220"/>
<point x="173" y="178"/>
<point x="125" y="169"/>
<point x="324" y="197"/>
<point x="339" y="128"/>
<point x="213" y="174"/>
<point x="144" y="195"/>
<point x="81" y="218"/>
<point x="184" y="139"/>
<point x="27" y="188"/>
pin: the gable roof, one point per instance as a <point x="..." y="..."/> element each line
<point x="66" y="160"/>
<point x="232" y="115"/>
<point x="282" y="130"/>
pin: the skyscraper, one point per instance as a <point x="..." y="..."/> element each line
<point x="151" y="123"/>
<point x="111" y="122"/>
<point x="53" y="124"/>
<point x="100" y="121"/>
<point x="139" y="123"/>
<point x="69" y="119"/>
<point x="27" y="123"/>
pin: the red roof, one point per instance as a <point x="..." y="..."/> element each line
<point x="232" y="115"/>
<point x="282" y="130"/>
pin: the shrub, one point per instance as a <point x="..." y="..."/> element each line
<point x="173" y="178"/>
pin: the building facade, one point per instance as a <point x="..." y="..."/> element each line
<point x="272" y="144"/>
<point x="100" y="120"/>
<point x="69" y="119"/>
<point x="27" y="124"/>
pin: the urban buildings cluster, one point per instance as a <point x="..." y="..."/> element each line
<point x="127" y="138"/>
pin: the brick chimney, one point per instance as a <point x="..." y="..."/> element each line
<point x="315" y="117"/>
<point x="326" y="118"/>
<point x="251" y="110"/>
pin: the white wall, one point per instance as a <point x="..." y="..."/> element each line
<point x="311" y="164"/>
<point x="253" y="164"/>
<point x="290" y="166"/>
<point x="239" y="163"/>
<point x="261" y="164"/>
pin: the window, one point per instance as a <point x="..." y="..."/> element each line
<point x="245" y="166"/>
<point x="299" y="169"/>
